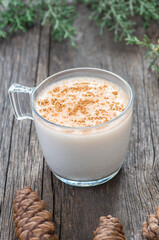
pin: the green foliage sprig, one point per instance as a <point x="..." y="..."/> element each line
<point x="60" y="16"/>
<point x="15" y="15"/>
<point x="153" y="52"/>
<point x="18" y="15"/>
<point x="112" y="14"/>
<point x="118" y="16"/>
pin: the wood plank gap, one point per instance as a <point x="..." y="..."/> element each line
<point x="30" y="133"/>
<point x="8" y="158"/>
<point x="42" y="182"/>
<point x="53" y="191"/>
<point x="37" y="63"/>
<point x="60" y="227"/>
<point x="49" y="54"/>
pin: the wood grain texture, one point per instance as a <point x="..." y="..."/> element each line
<point x="134" y="193"/>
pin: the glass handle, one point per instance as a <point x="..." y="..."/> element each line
<point x="20" y="101"/>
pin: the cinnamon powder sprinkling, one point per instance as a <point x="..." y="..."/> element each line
<point x="81" y="102"/>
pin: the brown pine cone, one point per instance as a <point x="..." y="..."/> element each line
<point x="150" y="229"/>
<point x="109" y="228"/>
<point x="32" y="221"/>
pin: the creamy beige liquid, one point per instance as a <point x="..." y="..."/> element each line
<point x="81" y="102"/>
<point x="90" y="153"/>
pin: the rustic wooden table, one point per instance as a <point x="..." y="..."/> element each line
<point x="134" y="193"/>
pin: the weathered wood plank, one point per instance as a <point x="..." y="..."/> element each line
<point x="20" y="61"/>
<point x="42" y="73"/>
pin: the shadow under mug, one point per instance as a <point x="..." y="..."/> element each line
<point x="79" y="156"/>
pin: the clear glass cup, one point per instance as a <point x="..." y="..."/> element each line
<point x="79" y="156"/>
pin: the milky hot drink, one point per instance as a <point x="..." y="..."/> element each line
<point x="82" y="118"/>
<point x="97" y="150"/>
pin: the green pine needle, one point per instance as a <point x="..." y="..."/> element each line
<point x="112" y="14"/>
<point x="118" y="16"/>
<point x="153" y="50"/>
<point x="18" y="15"/>
<point x="15" y="15"/>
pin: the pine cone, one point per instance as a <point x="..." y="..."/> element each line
<point x="150" y="229"/>
<point x="109" y="228"/>
<point x="32" y="221"/>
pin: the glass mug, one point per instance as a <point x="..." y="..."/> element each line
<point x="79" y="156"/>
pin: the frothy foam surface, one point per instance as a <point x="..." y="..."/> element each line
<point x="81" y="102"/>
